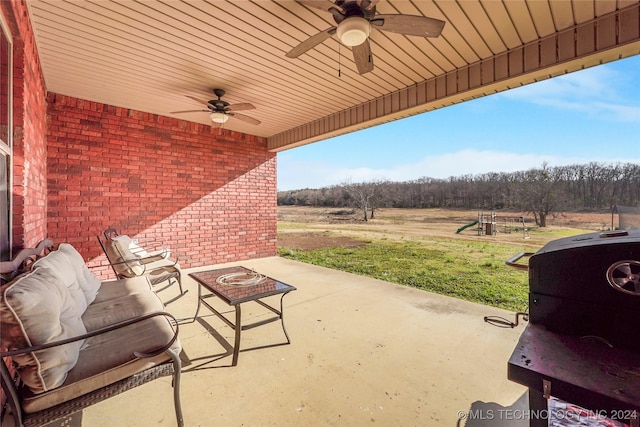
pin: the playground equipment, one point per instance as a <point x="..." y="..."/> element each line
<point x="508" y="225"/>
<point x="487" y="224"/>
<point x="517" y="224"/>
<point x="464" y="227"/>
<point x="525" y="230"/>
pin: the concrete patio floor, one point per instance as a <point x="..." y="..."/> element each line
<point x="362" y="351"/>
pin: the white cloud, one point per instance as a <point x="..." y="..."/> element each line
<point x="593" y="91"/>
<point x="601" y="93"/>
<point x="294" y="174"/>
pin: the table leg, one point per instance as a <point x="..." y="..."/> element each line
<point x="199" y="300"/>
<point x="539" y="409"/>
<point x="238" y="328"/>
<point x="282" y="319"/>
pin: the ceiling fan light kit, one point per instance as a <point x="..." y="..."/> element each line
<point x="218" y="117"/>
<point x="353" y="31"/>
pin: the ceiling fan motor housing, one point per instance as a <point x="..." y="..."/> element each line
<point x="352" y="8"/>
<point x="218" y="104"/>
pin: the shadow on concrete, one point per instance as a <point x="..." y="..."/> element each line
<point x="490" y="414"/>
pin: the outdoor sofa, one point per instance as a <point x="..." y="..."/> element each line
<point x="73" y="340"/>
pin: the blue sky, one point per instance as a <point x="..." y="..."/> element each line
<point x="591" y="115"/>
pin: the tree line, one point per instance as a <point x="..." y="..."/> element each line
<point x="539" y="191"/>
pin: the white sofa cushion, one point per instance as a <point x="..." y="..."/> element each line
<point x="36" y="309"/>
<point x="89" y="283"/>
<point x="68" y="264"/>
<point x="120" y="300"/>
<point x="120" y="252"/>
<point x="60" y="265"/>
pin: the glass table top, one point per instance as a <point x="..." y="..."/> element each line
<point x="239" y="284"/>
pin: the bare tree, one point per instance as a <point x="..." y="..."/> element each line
<point x="378" y="192"/>
<point x="366" y="196"/>
<point x="538" y="192"/>
<point x="358" y="196"/>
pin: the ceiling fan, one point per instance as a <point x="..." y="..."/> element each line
<point x="355" y="18"/>
<point x="220" y="111"/>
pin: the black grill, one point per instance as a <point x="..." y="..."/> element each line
<point x="582" y="343"/>
<point x="589" y="286"/>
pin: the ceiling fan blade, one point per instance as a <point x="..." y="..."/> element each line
<point x="311" y="42"/>
<point x="410" y="25"/>
<point x="325" y="5"/>
<point x="189" y="111"/>
<point x="363" y="57"/>
<point x="199" y="100"/>
<point x="241" y="107"/>
<point x="245" y="119"/>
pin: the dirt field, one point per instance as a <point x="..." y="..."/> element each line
<point x="307" y="228"/>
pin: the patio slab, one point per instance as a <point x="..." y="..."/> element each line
<point x="363" y="351"/>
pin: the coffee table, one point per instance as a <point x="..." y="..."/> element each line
<point x="235" y="286"/>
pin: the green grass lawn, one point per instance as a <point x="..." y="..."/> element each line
<point x="473" y="271"/>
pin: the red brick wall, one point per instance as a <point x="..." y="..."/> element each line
<point x="29" y="133"/>
<point x="29" y="130"/>
<point x="209" y="193"/>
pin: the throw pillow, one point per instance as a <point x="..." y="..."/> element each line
<point x="88" y="282"/>
<point x="36" y="309"/>
<point x="127" y="261"/>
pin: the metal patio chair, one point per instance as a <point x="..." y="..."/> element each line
<point x="129" y="259"/>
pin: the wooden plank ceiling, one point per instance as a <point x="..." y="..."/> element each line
<point x="150" y="55"/>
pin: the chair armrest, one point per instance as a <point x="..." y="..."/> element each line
<point x="23" y="260"/>
<point x="150" y="251"/>
<point x="173" y="321"/>
<point x="156" y="253"/>
<point x="151" y="256"/>
<point x="144" y="263"/>
<point x="150" y="248"/>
